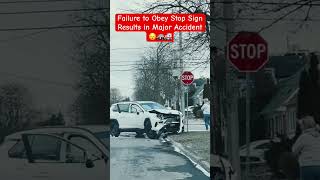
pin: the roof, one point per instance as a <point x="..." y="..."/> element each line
<point x="198" y="91"/>
<point x="284" y="65"/>
<point x="57" y="129"/>
<point x="286" y="89"/>
<point x="127" y="102"/>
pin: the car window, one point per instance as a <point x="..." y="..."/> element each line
<point x="150" y="106"/>
<point x="84" y="143"/>
<point x="42" y="147"/>
<point x="17" y="150"/>
<point x="114" y="108"/>
<point x="264" y="146"/>
<point x="124" y="107"/>
<point x="135" y="108"/>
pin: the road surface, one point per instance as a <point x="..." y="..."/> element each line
<point x="145" y="159"/>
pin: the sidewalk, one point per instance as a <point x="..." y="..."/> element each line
<point x="194" y="124"/>
<point x="194" y="145"/>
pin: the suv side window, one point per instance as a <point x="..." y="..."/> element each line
<point x="114" y="108"/>
<point x="17" y="150"/>
<point x="135" y="108"/>
<point x="43" y="148"/>
<point x="75" y="155"/>
<point x="124" y="107"/>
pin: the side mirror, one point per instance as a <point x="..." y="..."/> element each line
<point x="138" y="113"/>
<point x="89" y="163"/>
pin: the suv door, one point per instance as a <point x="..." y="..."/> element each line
<point x="98" y="160"/>
<point x="45" y="160"/>
<point x="137" y="115"/>
<point x="123" y="115"/>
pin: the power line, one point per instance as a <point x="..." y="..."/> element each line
<point x="51" y="11"/>
<point x="265" y="19"/>
<point x="56" y="83"/>
<point x="268" y="3"/>
<point x="51" y="27"/>
<point x="36" y="1"/>
<point x="18" y="37"/>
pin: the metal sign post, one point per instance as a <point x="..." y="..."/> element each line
<point x="187" y="117"/>
<point x="248" y="124"/>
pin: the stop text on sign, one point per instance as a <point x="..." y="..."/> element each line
<point x="247" y="52"/>
<point x="187" y="78"/>
<point x="160" y="27"/>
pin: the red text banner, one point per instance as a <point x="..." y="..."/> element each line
<point x="160" y="27"/>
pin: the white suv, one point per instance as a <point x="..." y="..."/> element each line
<point x="56" y="153"/>
<point x="143" y="117"/>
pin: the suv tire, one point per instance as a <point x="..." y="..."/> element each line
<point x="115" y="130"/>
<point x="147" y="128"/>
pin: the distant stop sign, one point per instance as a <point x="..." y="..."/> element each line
<point x="248" y="51"/>
<point x="187" y="77"/>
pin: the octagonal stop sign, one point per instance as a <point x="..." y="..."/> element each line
<point x="187" y="77"/>
<point x="248" y="51"/>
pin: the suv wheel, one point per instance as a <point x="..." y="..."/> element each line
<point x="147" y="128"/>
<point x="115" y="130"/>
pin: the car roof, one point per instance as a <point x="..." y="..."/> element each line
<point x="58" y="129"/>
<point x="139" y="102"/>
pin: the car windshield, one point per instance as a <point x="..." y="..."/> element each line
<point x="103" y="137"/>
<point x="152" y="105"/>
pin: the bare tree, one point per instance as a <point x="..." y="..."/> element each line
<point x="153" y="79"/>
<point x="115" y="95"/>
<point x="92" y="45"/>
<point x="15" y="107"/>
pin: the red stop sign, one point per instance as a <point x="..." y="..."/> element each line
<point x="248" y="51"/>
<point x="187" y="78"/>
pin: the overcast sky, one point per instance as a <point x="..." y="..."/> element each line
<point x="120" y="56"/>
<point x="41" y="62"/>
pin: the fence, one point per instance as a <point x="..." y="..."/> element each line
<point x="257" y="171"/>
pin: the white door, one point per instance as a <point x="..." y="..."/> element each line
<point x="43" y="154"/>
<point x="137" y="116"/>
<point x="98" y="168"/>
<point x="49" y="160"/>
<point x="123" y="116"/>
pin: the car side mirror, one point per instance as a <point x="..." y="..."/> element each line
<point x="89" y="163"/>
<point x="138" y="113"/>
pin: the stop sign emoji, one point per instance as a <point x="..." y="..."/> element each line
<point x="187" y="77"/>
<point x="248" y="52"/>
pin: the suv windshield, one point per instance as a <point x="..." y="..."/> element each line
<point x="150" y="106"/>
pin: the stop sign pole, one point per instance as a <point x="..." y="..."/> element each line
<point x="247" y="52"/>
<point x="187" y="79"/>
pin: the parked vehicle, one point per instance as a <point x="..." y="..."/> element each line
<point x="56" y="153"/>
<point x="221" y="168"/>
<point x="257" y="150"/>
<point x="189" y="109"/>
<point x="143" y="117"/>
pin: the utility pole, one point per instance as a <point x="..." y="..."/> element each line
<point x="232" y="95"/>
<point x="182" y="107"/>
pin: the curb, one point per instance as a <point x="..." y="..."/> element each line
<point x="198" y="162"/>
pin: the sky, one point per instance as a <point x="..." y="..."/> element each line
<point x="120" y="56"/>
<point x="41" y="62"/>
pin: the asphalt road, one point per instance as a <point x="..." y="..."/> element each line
<point x="145" y="159"/>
